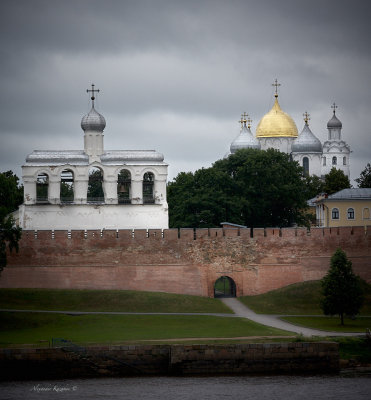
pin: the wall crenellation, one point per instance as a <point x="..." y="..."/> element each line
<point x="197" y="233"/>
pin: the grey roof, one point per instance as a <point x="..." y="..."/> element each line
<point x="334" y="122"/>
<point x="312" y="202"/>
<point x="306" y="142"/>
<point x="60" y="157"/>
<point x="93" y="121"/>
<point x="120" y="156"/>
<point x="245" y="140"/>
<point x="352" y="194"/>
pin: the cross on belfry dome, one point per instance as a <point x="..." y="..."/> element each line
<point x="93" y="91"/>
<point x="306" y="117"/>
<point x="334" y="107"/>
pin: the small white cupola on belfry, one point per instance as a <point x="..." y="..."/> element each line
<point x="93" y="125"/>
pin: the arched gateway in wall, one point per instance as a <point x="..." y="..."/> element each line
<point x="225" y="287"/>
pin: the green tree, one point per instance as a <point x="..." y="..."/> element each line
<point x="200" y="199"/>
<point x="95" y="185"/>
<point x="314" y="186"/>
<point x="251" y="187"/>
<point x="269" y="186"/>
<point x="364" y="180"/>
<point x="336" y="180"/>
<point x="11" y="196"/>
<point x="341" y="288"/>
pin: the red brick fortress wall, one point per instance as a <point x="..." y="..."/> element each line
<point x="186" y="261"/>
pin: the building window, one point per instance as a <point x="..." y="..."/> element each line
<point x="366" y="213"/>
<point x="124" y="187"/>
<point x="306" y="165"/>
<point x="95" y="186"/>
<point x="335" y="213"/>
<point x="66" y="188"/>
<point x="344" y="161"/>
<point x="334" y="160"/>
<point x="42" y="188"/>
<point x="350" y="213"/>
<point x="148" y="183"/>
<point x="324" y="161"/>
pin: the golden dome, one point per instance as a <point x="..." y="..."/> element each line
<point x="276" y="123"/>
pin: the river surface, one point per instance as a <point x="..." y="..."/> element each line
<point x="203" y="388"/>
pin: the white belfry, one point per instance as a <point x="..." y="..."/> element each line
<point x="94" y="188"/>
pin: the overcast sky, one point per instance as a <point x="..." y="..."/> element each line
<point x="175" y="76"/>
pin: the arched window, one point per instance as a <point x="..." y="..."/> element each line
<point x="366" y="213"/>
<point x="350" y="213"/>
<point x="324" y="161"/>
<point x="334" y="160"/>
<point x="344" y="161"/>
<point x="306" y="165"/>
<point x="148" y="183"/>
<point x="95" y="186"/>
<point x="66" y="188"/>
<point x="335" y="213"/>
<point x="42" y="189"/>
<point x="124" y="187"/>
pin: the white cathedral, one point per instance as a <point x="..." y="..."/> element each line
<point x="277" y="130"/>
<point x="94" y="188"/>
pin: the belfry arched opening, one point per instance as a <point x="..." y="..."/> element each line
<point x="225" y="287"/>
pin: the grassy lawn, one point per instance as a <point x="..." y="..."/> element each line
<point x="107" y="300"/>
<point x="18" y="328"/>
<point x="298" y="299"/>
<point x="332" y="323"/>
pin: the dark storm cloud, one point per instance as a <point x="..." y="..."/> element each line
<point x="175" y="75"/>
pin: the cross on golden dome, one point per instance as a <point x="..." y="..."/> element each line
<point x="276" y="84"/>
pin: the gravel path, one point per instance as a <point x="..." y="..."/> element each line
<point x="273" y="320"/>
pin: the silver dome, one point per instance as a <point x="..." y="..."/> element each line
<point x="245" y="140"/>
<point x="334" y="122"/>
<point x="306" y="142"/>
<point x="93" y="121"/>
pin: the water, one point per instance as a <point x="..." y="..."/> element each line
<point x="203" y="388"/>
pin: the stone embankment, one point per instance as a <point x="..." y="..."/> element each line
<point x="78" y="362"/>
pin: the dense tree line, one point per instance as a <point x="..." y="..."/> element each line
<point x="251" y="187"/>
<point x="255" y="188"/>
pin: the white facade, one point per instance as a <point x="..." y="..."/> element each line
<point x="282" y="144"/>
<point x="132" y="185"/>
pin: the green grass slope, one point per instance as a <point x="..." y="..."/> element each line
<point x="297" y="299"/>
<point x="107" y="300"/>
<point x="332" y="323"/>
<point x="31" y="328"/>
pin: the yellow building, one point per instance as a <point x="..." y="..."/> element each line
<point x="349" y="207"/>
